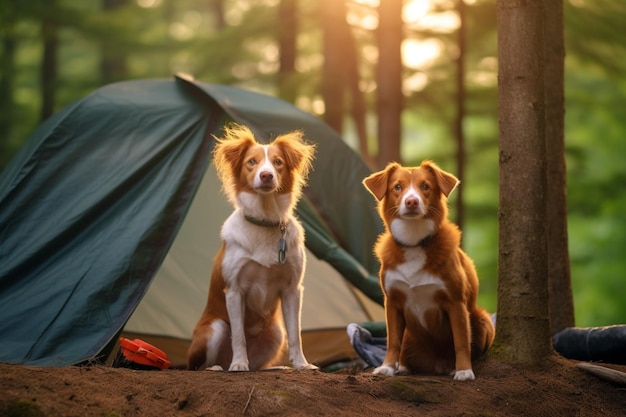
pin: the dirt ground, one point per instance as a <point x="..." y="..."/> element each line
<point x="557" y="389"/>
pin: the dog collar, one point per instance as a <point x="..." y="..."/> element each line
<point x="262" y="222"/>
<point x="282" y="243"/>
<point x="423" y="242"/>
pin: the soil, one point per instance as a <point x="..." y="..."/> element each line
<point x="557" y="389"/>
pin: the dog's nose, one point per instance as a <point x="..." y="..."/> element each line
<point x="411" y="203"/>
<point x="266" y="176"/>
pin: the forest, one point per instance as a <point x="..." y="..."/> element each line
<point x="435" y="96"/>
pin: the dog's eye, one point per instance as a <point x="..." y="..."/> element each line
<point x="252" y="162"/>
<point x="398" y="187"/>
<point x="425" y="186"/>
<point x="278" y="162"/>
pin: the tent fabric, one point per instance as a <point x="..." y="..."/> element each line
<point x="92" y="203"/>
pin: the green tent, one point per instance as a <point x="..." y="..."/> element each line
<point x="110" y="213"/>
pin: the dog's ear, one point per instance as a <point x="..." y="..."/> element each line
<point x="446" y="181"/>
<point x="377" y="182"/>
<point x="297" y="153"/>
<point x="230" y="149"/>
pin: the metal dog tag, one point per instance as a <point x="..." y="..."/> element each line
<point x="282" y="245"/>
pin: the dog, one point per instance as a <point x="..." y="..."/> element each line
<point x="429" y="284"/>
<point x="258" y="271"/>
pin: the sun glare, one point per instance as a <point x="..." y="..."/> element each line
<point x="417" y="54"/>
<point x="415" y="10"/>
<point x="148" y="3"/>
<point x="420" y="15"/>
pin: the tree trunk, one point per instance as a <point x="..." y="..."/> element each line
<point x="333" y="83"/>
<point x="357" y="105"/>
<point x="389" y="100"/>
<point x="523" y="327"/>
<point x="113" y="65"/>
<point x="560" y="286"/>
<point x="460" y="115"/>
<point x="217" y="6"/>
<point x="7" y="81"/>
<point x="341" y="74"/>
<point x="287" y="36"/>
<point x="49" y="32"/>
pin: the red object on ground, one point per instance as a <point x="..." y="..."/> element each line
<point x="143" y="353"/>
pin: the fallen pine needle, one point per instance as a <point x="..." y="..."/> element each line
<point x="245" y="408"/>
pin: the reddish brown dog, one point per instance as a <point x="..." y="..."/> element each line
<point x="255" y="295"/>
<point x="430" y="284"/>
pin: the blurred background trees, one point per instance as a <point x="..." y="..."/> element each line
<point x="406" y="80"/>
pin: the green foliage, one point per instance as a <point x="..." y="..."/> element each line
<point x="595" y="130"/>
<point x="21" y="408"/>
<point x="595" y="33"/>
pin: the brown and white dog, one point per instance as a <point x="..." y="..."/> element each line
<point x="258" y="270"/>
<point x="430" y="284"/>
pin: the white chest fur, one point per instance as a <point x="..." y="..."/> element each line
<point x="249" y="242"/>
<point x="418" y="285"/>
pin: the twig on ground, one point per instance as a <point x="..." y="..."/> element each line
<point x="245" y="408"/>
<point x="608" y="374"/>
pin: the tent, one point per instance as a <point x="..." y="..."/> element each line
<point x="110" y="216"/>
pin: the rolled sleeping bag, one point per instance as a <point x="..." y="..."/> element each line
<point x="597" y="344"/>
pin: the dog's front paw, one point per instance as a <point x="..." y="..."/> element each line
<point x="403" y="370"/>
<point x="307" y="367"/>
<point x="215" y="368"/>
<point x="464" y="375"/>
<point x="238" y="367"/>
<point x="385" y="369"/>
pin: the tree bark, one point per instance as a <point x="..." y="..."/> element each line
<point x="287" y="37"/>
<point x="560" y="288"/>
<point x="7" y="81"/>
<point x="113" y="65"/>
<point x="357" y="104"/>
<point x="460" y="116"/>
<point x="333" y="80"/>
<point x="389" y="100"/>
<point x="523" y="327"/>
<point x="341" y="76"/>
<point x="217" y="6"/>
<point x="49" y="30"/>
